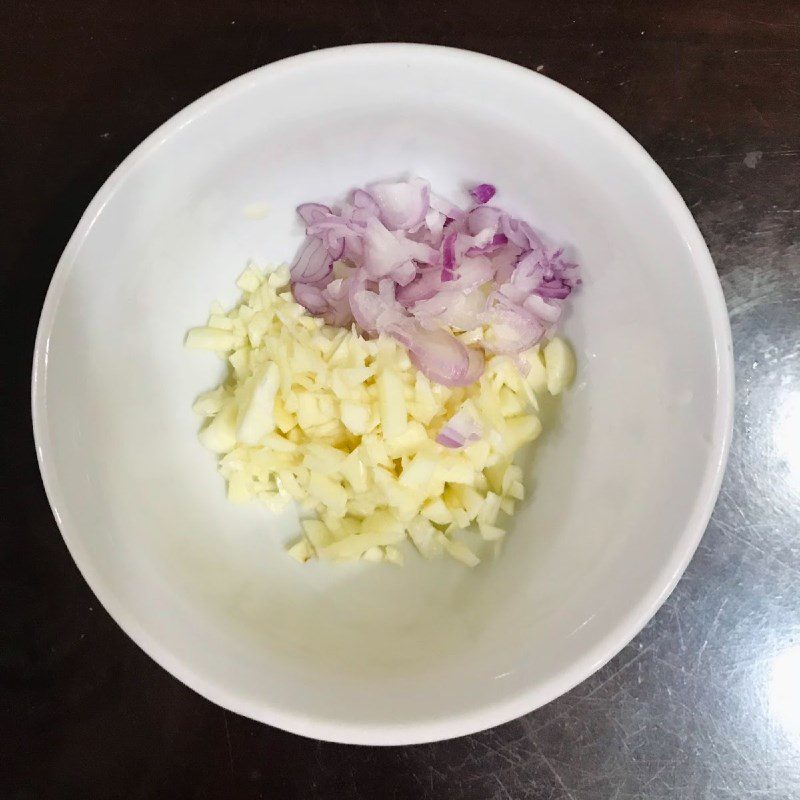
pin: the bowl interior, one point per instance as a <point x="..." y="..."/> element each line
<point x="620" y="487"/>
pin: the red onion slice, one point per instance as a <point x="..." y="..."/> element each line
<point x="473" y="272"/>
<point x="547" y="313"/>
<point x="424" y="286"/>
<point x="385" y="251"/>
<point x="504" y="262"/>
<point x="477" y="362"/>
<point x="310" y="297"/>
<point x="549" y="277"/>
<point x="449" y="210"/>
<point x="405" y="274"/>
<point x="313" y="262"/>
<point x="460" y="430"/>
<point x="434" y="222"/>
<point x="402" y="204"/>
<point x="495" y="243"/>
<point x="366" y="307"/>
<point x="483" y="192"/>
<point x="449" y="257"/>
<point x="364" y="207"/>
<point x="378" y="312"/>
<point x="555" y="290"/>
<point x="520" y="233"/>
<point x="312" y="212"/>
<point x="483" y="218"/>
<point x="514" y="328"/>
<point x="334" y="231"/>
<point x="450" y="308"/>
<point x="337" y="297"/>
<point x="439" y="356"/>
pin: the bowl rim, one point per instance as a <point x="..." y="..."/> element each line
<point x="482" y="717"/>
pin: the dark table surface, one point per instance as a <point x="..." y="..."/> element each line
<point x="705" y="703"/>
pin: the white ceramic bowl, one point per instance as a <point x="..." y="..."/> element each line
<point x="621" y="491"/>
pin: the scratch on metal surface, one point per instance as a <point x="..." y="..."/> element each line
<point x="730" y="531"/>
<point x="498" y="753"/>
<point x="722" y="732"/>
<point x="228" y="739"/>
<point x="502" y="787"/>
<point x="677" y="617"/>
<point x="728" y="496"/>
<point x="623" y="735"/>
<point x="560" y="782"/>
<point x="737" y="155"/>
<point x="711" y="631"/>
<point x="770" y="23"/>
<point x="655" y="775"/>
<point x="705" y="178"/>
<point x="597" y="688"/>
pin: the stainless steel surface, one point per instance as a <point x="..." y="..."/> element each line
<point x="705" y="702"/>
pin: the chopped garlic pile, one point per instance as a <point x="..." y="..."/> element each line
<point x="347" y="427"/>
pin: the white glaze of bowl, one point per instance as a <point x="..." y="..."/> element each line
<point x="620" y="490"/>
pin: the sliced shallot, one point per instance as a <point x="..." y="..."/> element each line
<point x="461" y="429"/>
<point x="412" y="265"/>
<point x="483" y="193"/>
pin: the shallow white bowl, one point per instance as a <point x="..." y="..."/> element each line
<point x="621" y="490"/>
